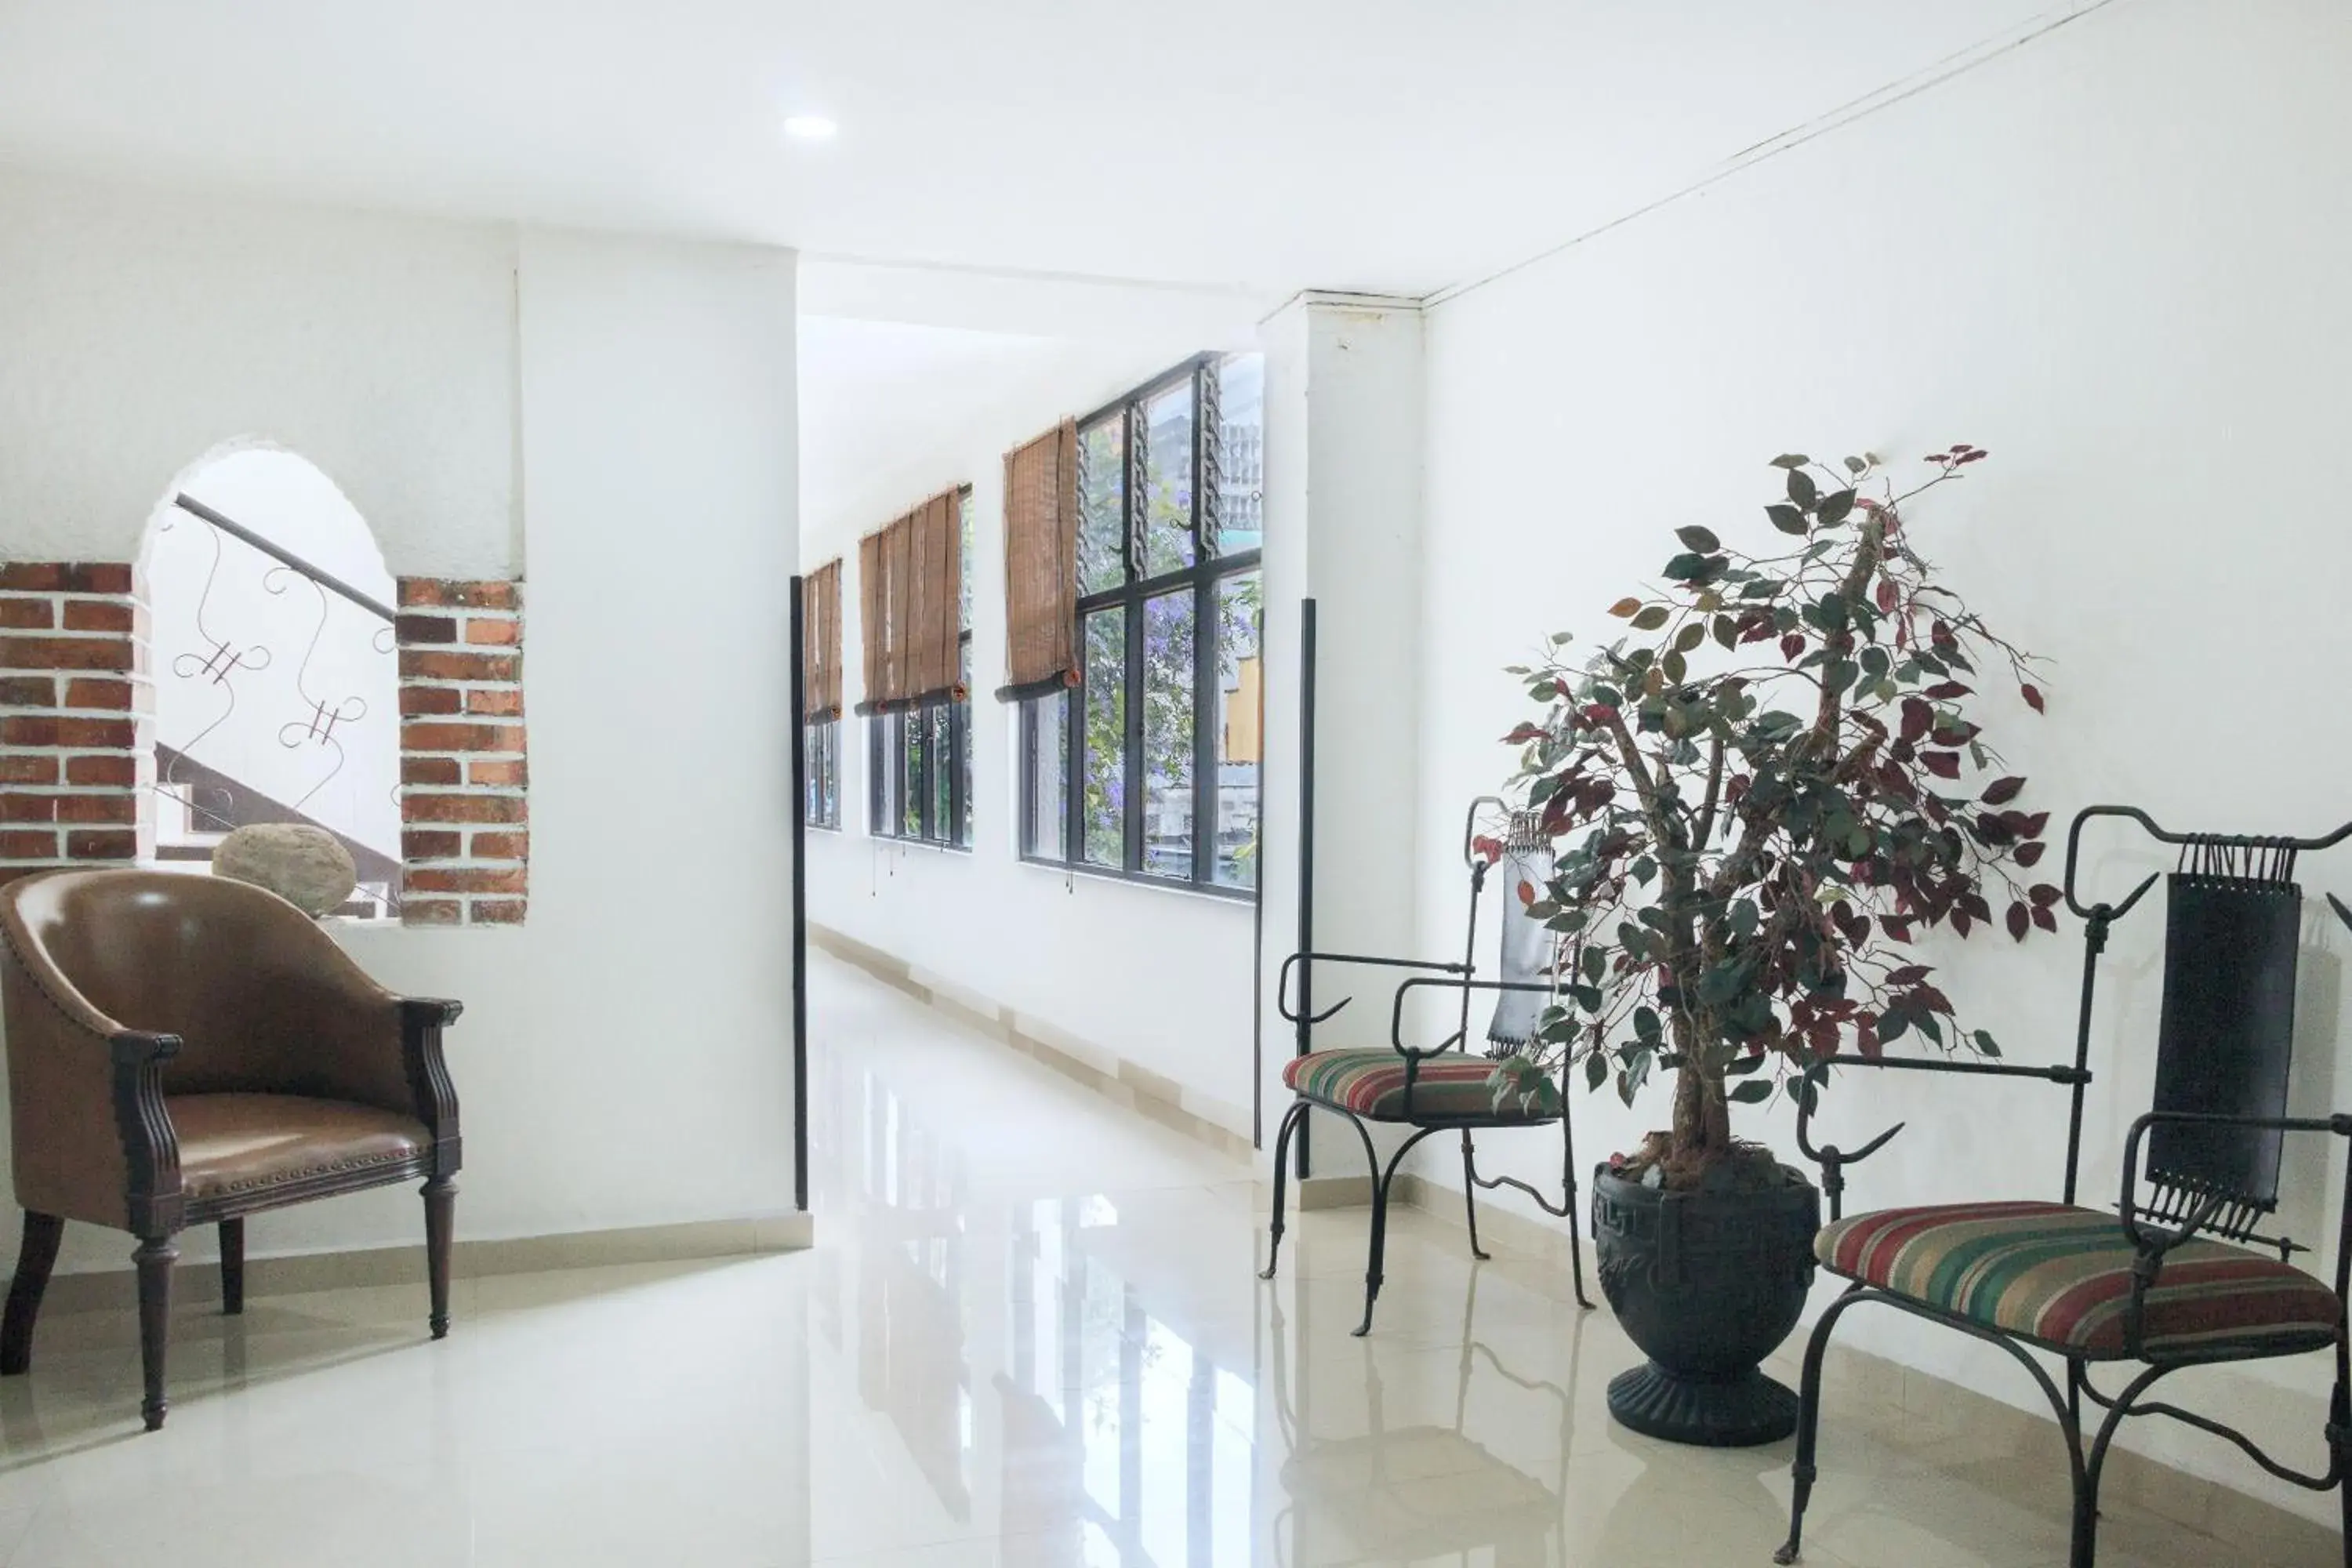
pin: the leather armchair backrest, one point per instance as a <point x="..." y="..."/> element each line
<point x="230" y="968"/>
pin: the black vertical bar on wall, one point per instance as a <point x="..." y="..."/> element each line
<point x="800" y="903"/>
<point x="1305" y="846"/>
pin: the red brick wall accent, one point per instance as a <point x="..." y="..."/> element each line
<point x="464" y="842"/>
<point x="77" y="717"/>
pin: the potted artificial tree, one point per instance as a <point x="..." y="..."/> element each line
<point x="1758" y="798"/>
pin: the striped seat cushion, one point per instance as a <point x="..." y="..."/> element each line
<point x="2061" y="1278"/>
<point x="1371" y="1084"/>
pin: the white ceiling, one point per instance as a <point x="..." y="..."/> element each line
<point x="1268" y="145"/>
<point x="891" y="413"/>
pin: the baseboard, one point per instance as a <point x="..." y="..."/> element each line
<point x="1972" y="1421"/>
<point x="198" y="1284"/>
<point x="1146" y="1092"/>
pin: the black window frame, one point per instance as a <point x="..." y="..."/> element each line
<point x="821" y="740"/>
<point x="908" y="769"/>
<point x="1205" y="577"/>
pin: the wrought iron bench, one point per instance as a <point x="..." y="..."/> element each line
<point x="1443" y="1088"/>
<point x="2170" y="1280"/>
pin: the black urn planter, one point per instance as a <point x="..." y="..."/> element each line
<point x="1707" y="1284"/>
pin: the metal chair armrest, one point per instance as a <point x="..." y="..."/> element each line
<point x="1833" y="1160"/>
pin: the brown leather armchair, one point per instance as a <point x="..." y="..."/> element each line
<point x="188" y="1050"/>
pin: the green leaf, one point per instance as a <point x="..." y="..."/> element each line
<point x="1787" y="519"/>
<point x="1802" y="488"/>
<point x="1647" y="1024"/>
<point x="1754" y="1091"/>
<point x="1651" y="619"/>
<point x="1596" y="1070"/>
<point x="1985" y="1043"/>
<point x="1835" y="508"/>
<point x="1595" y="964"/>
<point x="1692" y="634"/>
<point x="1790" y="460"/>
<point x="1625" y="608"/>
<point x="1686" y="566"/>
<point x="1675" y="666"/>
<point x="1856" y="466"/>
<point x="1699" y="539"/>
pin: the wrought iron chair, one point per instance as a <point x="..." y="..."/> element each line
<point x="2150" y="1285"/>
<point x="1444" y="1088"/>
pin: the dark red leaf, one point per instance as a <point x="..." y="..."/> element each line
<point x="1972" y="457"/>
<point x="1943" y="765"/>
<point x="1909" y="975"/>
<point x="2046" y="917"/>
<point x="1527" y="892"/>
<point x="2032" y="825"/>
<point x="1918" y="718"/>
<point x="2030" y="854"/>
<point x="1960" y="448"/>
<point x="1888" y="598"/>
<point x="1792" y="647"/>
<point x="1961" y="921"/>
<point x="2000" y="792"/>
<point x="2043" y="894"/>
<point x="1523" y="734"/>
<point x="1945" y="690"/>
<point x="2021" y="920"/>
<point x="2033" y="695"/>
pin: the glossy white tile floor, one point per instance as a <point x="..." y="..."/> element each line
<point x="1031" y="1335"/>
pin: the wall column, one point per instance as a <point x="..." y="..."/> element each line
<point x="1343" y="523"/>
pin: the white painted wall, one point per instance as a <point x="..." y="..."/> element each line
<point x="146" y="327"/>
<point x="2116" y="258"/>
<point x="624" y="1058"/>
<point x="1156" y="977"/>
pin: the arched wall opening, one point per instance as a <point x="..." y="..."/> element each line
<point x="271" y="651"/>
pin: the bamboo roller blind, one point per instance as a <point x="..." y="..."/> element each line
<point x="1041" y="548"/>
<point x="821" y="643"/>
<point x="910" y="575"/>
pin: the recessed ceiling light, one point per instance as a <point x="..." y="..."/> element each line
<point x="810" y="128"/>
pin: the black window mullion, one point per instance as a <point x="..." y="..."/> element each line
<point x="957" y="741"/>
<point x="1131" y="745"/>
<point x="1025" y="832"/>
<point x="1207" y="630"/>
<point x="1074" y="718"/>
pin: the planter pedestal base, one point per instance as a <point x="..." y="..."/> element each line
<point x="1740" y="1413"/>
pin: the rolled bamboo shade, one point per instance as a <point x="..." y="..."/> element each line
<point x="1041" y="553"/>
<point x="912" y="573"/>
<point x="935" y="578"/>
<point x="821" y="641"/>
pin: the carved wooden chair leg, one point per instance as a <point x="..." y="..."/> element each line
<point x="34" y="1260"/>
<point x="440" y="1213"/>
<point x="232" y="1251"/>
<point x="154" y="1258"/>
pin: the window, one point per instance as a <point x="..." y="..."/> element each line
<point x="823" y="741"/>
<point x="1147" y="767"/>
<point x="919" y="759"/>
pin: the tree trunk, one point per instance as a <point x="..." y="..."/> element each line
<point x="1702" y="1128"/>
